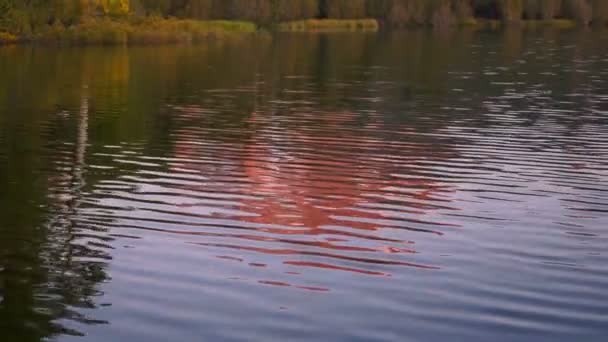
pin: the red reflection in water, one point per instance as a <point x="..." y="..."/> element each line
<point x="226" y="257"/>
<point x="320" y="182"/>
<point x="284" y="284"/>
<point x="314" y="191"/>
<point x="274" y="283"/>
<point x="333" y="267"/>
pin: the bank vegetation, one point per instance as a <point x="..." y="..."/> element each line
<point x="135" y="21"/>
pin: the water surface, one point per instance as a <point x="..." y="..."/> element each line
<point x="343" y="187"/>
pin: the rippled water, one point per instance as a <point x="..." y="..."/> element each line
<point x="343" y="187"/>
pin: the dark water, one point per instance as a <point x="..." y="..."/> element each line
<point x="403" y="187"/>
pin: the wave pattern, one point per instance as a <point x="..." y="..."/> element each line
<point x="367" y="204"/>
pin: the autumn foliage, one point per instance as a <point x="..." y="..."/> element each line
<point x="26" y="17"/>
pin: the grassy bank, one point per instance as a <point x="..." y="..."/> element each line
<point x="372" y="25"/>
<point x="107" y="31"/>
<point x="486" y="24"/>
<point x="313" y="25"/>
<point x="154" y="30"/>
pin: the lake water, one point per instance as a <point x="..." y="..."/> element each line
<point x="413" y="186"/>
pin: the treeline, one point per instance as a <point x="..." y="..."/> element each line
<point x="389" y="12"/>
<point x="23" y="16"/>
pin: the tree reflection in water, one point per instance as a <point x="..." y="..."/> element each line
<point x="49" y="265"/>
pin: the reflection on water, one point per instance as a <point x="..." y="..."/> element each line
<point x="344" y="185"/>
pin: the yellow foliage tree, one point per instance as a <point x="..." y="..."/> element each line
<point x="105" y="7"/>
<point x="116" y="7"/>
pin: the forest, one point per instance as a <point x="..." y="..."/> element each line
<point x="28" y="18"/>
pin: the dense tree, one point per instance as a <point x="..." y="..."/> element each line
<point x="511" y="10"/>
<point x="600" y="12"/>
<point x="24" y="17"/>
<point x="579" y="10"/>
<point x="344" y="9"/>
<point x="541" y="9"/>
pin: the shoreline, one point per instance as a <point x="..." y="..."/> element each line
<point x="107" y="31"/>
<point x="150" y="30"/>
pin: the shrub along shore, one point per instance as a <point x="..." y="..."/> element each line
<point x="166" y="21"/>
<point x="149" y="30"/>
